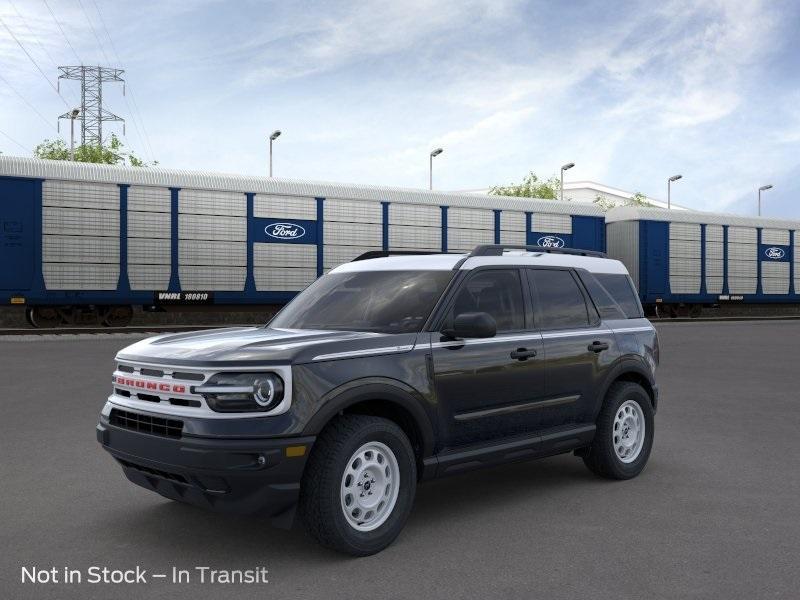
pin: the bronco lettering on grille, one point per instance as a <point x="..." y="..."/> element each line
<point x="156" y="386"/>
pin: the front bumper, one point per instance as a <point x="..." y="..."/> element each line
<point x="254" y="476"/>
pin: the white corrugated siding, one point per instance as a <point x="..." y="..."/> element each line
<point x="80" y="235"/>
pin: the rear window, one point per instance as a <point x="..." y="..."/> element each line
<point x="617" y="295"/>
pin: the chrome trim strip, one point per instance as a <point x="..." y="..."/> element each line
<point x="367" y="352"/>
<point x="504" y="410"/>
<point x="627" y="329"/>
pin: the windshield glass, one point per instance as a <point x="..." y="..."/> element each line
<point x="379" y="301"/>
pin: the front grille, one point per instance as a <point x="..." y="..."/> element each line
<point x="151" y="471"/>
<point x="172" y="428"/>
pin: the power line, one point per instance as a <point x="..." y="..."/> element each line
<point x="25" y="100"/>
<point x="15" y="141"/>
<point x="61" y="29"/>
<point x="35" y="64"/>
<point x="96" y="37"/>
<point x="146" y="138"/>
<point x="33" y="35"/>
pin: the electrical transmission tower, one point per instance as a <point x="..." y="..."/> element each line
<point x="92" y="113"/>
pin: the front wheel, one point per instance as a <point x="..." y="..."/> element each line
<point x="359" y="485"/>
<point x="624" y="436"/>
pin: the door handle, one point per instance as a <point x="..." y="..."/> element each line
<point x="598" y="346"/>
<point x="523" y="354"/>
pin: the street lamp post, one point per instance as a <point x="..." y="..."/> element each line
<point x="669" y="189"/>
<point x="565" y="167"/>
<point x="763" y="188"/>
<point x="272" y="138"/>
<point x="436" y="152"/>
<point x="73" y="114"/>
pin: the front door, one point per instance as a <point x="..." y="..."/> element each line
<point x="17" y="197"/>
<point x="485" y="387"/>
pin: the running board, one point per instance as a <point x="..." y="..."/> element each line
<point x="451" y="462"/>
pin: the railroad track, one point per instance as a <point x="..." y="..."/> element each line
<point x="178" y="328"/>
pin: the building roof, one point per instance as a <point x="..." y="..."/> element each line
<point x="157" y="176"/>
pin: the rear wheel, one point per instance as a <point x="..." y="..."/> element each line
<point x="624" y="434"/>
<point x="359" y="485"/>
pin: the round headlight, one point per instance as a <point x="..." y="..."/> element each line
<point x="264" y="392"/>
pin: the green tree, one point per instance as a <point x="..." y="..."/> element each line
<point x="112" y="153"/>
<point x="606" y="203"/>
<point x="531" y="187"/>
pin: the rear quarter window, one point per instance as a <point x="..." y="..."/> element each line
<point x="619" y="290"/>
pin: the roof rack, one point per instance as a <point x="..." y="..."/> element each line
<point x="386" y="253"/>
<point x="498" y="249"/>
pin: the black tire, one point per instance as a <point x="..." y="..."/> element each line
<point x="320" y="504"/>
<point x="601" y="457"/>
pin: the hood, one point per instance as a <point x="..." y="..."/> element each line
<point x="249" y="345"/>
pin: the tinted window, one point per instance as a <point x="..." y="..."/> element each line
<point x="497" y="292"/>
<point x="560" y="301"/>
<point x="606" y="306"/>
<point x="380" y="301"/>
<point x="621" y="289"/>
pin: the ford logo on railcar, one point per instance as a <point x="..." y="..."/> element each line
<point x="285" y="231"/>
<point x="775" y="253"/>
<point x="550" y="241"/>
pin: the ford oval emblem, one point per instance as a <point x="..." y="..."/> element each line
<point x="775" y="253"/>
<point x="550" y="241"/>
<point x="285" y="231"/>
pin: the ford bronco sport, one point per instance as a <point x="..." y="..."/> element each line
<point x="386" y="372"/>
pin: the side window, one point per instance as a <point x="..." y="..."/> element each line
<point x="620" y="288"/>
<point x="497" y="292"/>
<point x="559" y="300"/>
<point x="606" y="305"/>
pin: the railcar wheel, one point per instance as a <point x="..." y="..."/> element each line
<point x="44" y="316"/>
<point x="118" y="316"/>
<point x="695" y="310"/>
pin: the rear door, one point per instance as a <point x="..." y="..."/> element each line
<point x="486" y="388"/>
<point x="579" y="350"/>
<point x="17" y="198"/>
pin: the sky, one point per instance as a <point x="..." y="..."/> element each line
<point x="632" y="92"/>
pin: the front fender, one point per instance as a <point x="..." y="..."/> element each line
<point x="375" y="388"/>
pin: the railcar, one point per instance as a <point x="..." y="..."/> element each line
<point x="682" y="261"/>
<point x="86" y="243"/>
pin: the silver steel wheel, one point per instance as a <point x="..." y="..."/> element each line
<point x="629" y="431"/>
<point x="370" y="485"/>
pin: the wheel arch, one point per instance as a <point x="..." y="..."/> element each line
<point x="379" y="397"/>
<point x="634" y="371"/>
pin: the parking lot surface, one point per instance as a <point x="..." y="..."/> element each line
<point x="716" y="514"/>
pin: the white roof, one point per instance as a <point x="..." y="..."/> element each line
<point x="446" y="262"/>
<point x="156" y="176"/>
<point x="635" y="213"/>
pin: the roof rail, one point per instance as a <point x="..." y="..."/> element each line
<point x="386" y="253"/>
<point x="498" y="249"/>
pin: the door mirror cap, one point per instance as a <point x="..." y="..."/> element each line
<point x="472" y="325"/>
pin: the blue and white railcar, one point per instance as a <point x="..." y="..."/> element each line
<point x="104" y="238"/>
<point x="684" y="260"/>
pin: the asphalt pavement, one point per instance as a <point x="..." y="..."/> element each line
<point x="716" y="513"/>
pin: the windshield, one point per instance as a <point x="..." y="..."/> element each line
<point x="379" y="301"/>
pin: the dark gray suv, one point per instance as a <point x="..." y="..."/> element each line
<point x="386" y="372"/>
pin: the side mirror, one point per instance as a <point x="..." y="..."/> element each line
<point x="472" y="325"/>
